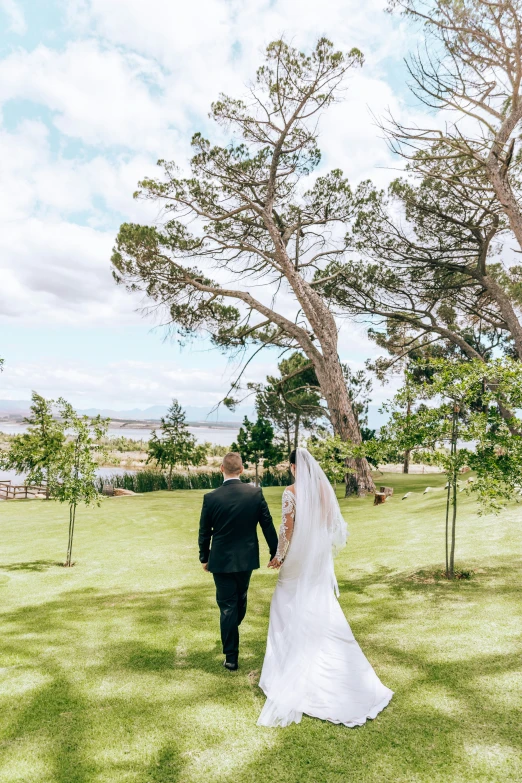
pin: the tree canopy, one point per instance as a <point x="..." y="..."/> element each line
<point x="37" y="452"/>
<point x="255" y="442"/>
<point x="292" y="401"/>
<point x="175" y="445"/>
<point x="243" y="221"/>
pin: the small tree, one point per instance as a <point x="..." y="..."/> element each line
<point x="471" y="410"/>
<point x="175" y="445"/>
<point x="331" y="453"/>
<point x="75" y="480"/>
<point x="37" y="451"/>
<point x="359" y="385"/>
<point x="255" y="443"/>
<point x="292" y="401"/>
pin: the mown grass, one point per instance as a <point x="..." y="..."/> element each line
<point x="111" y="671"/>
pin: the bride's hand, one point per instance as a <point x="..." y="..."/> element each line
<point x="274" y="563"/>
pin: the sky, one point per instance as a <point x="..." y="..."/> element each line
<point x="92" y="93"/>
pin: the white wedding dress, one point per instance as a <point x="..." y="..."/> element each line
<point x="313" y="664"/>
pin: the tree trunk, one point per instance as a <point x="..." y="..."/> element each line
<point x="257" y="473"/>
<point x="326" y="362"/>
<point x="452" y="487"/>
<point x="72" y="519"/>
<point x="407" y="453"/>
<point x="448" y="503"/>
<point x="289" y="447"/>
<point x="453" y="528"/>
<point x="169" y="479"/>
<point x="505" y="305"/>
<point x="497" y="171"/>
<point x="296" y="433"/>
<point x="359" y="479"/>
<point x="288" y="438"/>
<point x="500" y="181"/>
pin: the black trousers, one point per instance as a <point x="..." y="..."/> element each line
<point x="231" y="597"/>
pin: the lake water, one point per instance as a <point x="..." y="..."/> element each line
<point x="15" y="478"/>
<point x="220" y="435"/>
<point x="223" y="436"/>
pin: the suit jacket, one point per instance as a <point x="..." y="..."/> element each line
<point x="229" y="520"/>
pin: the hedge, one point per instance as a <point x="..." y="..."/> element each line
<point x="152" y="480"/>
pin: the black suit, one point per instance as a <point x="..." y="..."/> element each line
<point x="229" y="520"/>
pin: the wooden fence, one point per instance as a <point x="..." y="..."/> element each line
<point x="10" y="491"/>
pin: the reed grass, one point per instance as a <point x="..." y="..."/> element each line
<point x="155" y="480"/>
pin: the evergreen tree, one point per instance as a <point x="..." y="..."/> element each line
<point x="292" y="401"/>
<point x="244" y="209"/>
<point x="255" y="443"/>
<point x="359" y="385"/>
<point x="175" y="444"/>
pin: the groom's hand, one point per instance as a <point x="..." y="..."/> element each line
<point x="205" y="566"/>
<point x="274" y="563"/>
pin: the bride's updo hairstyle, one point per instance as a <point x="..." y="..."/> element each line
<point x="293" y="457"/>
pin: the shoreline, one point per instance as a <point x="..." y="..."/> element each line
<point x="138" y="424"/>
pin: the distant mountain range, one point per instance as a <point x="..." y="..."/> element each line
<point x="17" y="408"/>
<point x="14" y="407"/>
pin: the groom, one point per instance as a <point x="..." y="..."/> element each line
<point x="229" y="520"/>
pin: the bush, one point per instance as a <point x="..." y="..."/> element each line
<point x="275" y="478"/>
<point x="215" y="450"/>
<point x="154" y="480"/>
<point x="123" y="444"/>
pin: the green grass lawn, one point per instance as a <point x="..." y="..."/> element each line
<point x="111" y="670"/>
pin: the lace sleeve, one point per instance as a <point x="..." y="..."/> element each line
<point x="287" y="524"/>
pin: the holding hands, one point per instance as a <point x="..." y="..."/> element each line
<point x="275" y="563"/>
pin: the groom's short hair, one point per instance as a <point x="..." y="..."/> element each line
<point x="232" y="463"/>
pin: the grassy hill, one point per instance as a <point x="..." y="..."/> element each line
<point x="111" y="671"/>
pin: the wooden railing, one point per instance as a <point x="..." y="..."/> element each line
<point x="10" y="491"/>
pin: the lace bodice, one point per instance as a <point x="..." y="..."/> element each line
<point x="287" y="524"/>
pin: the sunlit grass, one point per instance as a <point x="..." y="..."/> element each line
<point x="111" y="671"/>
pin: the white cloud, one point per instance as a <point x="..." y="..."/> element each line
<point x="131" y="85"/>
<point x="15" y="15"/>
<point x="122" y="385"/>
<point x="58" y="272"/>
<point x="216" y="45"/>
<point x="36" y="182"/>
<point x="54" y="269"/>
<point x="98" y="95"/>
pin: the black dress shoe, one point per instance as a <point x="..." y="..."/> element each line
<point x="232" y="666"/>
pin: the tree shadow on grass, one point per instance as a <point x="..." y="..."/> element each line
<point x="502" y="577"/>
<point x="32" y="565"/>
<point x="53" y="716"/>
<point x="168" y="766"/>
<point x="122" y="664"/>
<point x="143" y="657"/>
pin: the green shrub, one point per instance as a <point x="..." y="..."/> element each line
<point x="154" y="480"/>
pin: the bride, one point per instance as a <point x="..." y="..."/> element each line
<point x="313" y="664"/>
